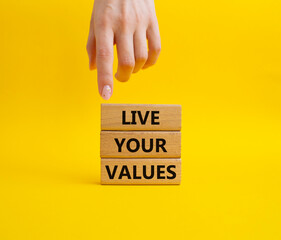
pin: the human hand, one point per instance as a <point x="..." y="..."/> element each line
<point x="129" y="24"/>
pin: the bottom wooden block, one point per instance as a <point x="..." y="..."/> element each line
<point x="140" y="171"/>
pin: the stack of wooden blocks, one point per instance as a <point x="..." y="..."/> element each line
<point x="140" y="144"/>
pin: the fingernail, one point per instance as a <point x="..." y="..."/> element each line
<point x="106" y="92"/>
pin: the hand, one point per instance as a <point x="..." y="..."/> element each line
<point x="126" y="23"/>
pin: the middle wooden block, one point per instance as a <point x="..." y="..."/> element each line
<point x="140" y="144"/>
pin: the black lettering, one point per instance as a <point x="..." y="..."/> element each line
<point x="171" y="171"/>
<point x="111" y="175"/>
<point x="158" y="145"/>
<point x="134" y="117"/>
<point x="124" y="172"/>
<point x="124" y="118"/>
<point x="153" y="118"/>
<point x="159" y="172"/>
<point x="151" y="172"/>
<point x="143" y="145"/>
<point x="135" y="173"/>
<point x="143" y="120"/>
<point x="119" y="144"/>
<point x="129" y="145"/>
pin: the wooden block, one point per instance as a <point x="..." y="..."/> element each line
<point x="140" y="117"/>
<point x="140" y="171"/>
<point x="140" y="144"/>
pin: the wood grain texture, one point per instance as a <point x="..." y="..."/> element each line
<point x="169" y="117"/>
<point x="140" y="171"/>
<point x="140" y="144"/>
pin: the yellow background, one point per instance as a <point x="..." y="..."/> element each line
<point x="220" y="59"/>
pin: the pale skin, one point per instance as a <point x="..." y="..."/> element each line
<point x="131" y="25"/>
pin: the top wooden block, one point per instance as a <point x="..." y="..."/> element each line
<point x="140" y="117"/>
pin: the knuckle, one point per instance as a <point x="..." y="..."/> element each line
<point x="157" y="49"/>
<point x="127" y="62"/>
<point x="139" y="18"/>
<point x="102" y="22"/>
<point x="103" y="52"/>
<point x="125" y="20"/>
<point x="141" y="57"/>
<point x="124" y="23"/>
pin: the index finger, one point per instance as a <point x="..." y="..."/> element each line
<point x="104" y="61"/>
